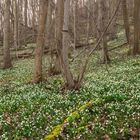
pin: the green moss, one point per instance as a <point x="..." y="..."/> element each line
<point x="86" y="105"/>
<point x="56" y="131"/>
<point x="74" y="115"/>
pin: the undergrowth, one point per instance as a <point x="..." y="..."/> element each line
<point x="30" y="111"/>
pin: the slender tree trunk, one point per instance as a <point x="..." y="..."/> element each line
<point x="75" y="23"/>
<point x="95" y="15"/>
<point x="34" y="16"/>
<point x="20" y="4"/>
<point x="40" y="42"/>
<point x="7" y="58"/>
<point x="88" y="22"/>
<point x="102" y="24"/>
<point x="25" y="19"/>
<point x="16" y="45"/>
<point x="48" y="31"/>
<point x="126" y="20"/>
<point x="25" y="12"/>
<point x="65" y="63"/>
<point x="58" y="34"/>
<point x="136" y="26"/>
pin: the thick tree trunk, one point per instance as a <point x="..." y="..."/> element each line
<point x="40" y="42"/>
<point x="7" y="58"/>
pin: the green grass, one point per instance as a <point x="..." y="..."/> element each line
<point x="32" y="111"/>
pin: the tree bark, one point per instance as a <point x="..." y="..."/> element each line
<point x="65" y="63"/>
<point x="40" y="42"/>
<point x="16" y="45"/>
<point x="7" y="57"/>
<point x="25" y="12"/>
<point x="103" y="14"/>
<point x="136" y="27"/>
<point x="58" y="34"/>
<point x="126" y="20"/>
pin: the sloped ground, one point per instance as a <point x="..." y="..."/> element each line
<point x="30" y="111"/>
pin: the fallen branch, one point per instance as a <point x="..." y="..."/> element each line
<point x="73" y="116"/>
<point x="119" y="46"/>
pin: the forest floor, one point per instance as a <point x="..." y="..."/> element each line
<point x="31" y="111"/>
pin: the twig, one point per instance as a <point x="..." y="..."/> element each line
<point x="119" y="46"/>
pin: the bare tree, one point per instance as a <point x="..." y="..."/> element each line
<point x="59" y="14"/>
<point x="7" y="57"/>
<point x="40" y="41"/>
<point x="126" y="20"/>
<point x="102" y="20"/>
<point x="136" y="26"/>
<point x="64" y="61"/>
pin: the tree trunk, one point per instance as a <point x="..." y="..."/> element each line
<point x="16" y="45"/>
<point x="40" y="42"/>
<point x="48" y="31"/>
<point x="25" y="12"/>
<point x="7" y="58"/>
<point x="126" y="20"/>
<point x="136" y="27"/>
<point x="65" y="62"/>
<point x="103" y="14"/>
<point x="25" y="19"/>
<point x="58" y="34"/>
